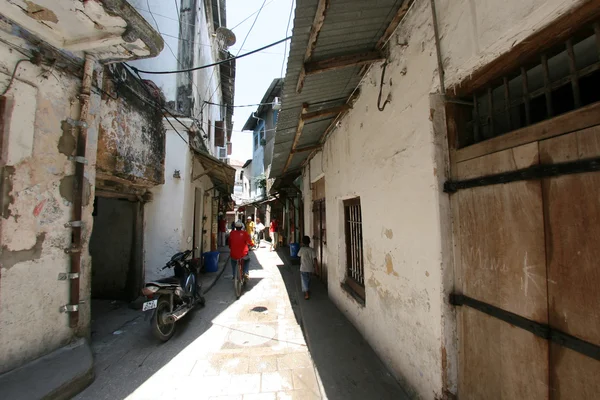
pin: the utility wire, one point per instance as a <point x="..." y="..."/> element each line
<point x="249" y="16"/>
<point x="155" y="104"/>
<point x="286" y="32"/>
<point x="252" y="27"/>
<point x="12" y="76"/>
<point x="209" y="65"/>
<point x="245" y="105"/>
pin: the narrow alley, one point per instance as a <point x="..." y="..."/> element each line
<point x="253" y="348"/>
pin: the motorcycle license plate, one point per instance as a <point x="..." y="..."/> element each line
<point x="149" y="305"/>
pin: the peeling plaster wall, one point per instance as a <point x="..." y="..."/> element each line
<point x="131" y="143"/>
<point x="36" y="195"/>
<point x="396" y="161"/>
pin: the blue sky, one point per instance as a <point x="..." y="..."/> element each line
<point x="255" y="72"/>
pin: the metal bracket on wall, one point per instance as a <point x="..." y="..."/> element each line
<point x="63" y="276"/>
<point x="76" y="122"/>
<point x="69" y="308"/>
<point x="542" y="330"/>
<point x="74" y="224"/>
<point x="78" y="159"/>
<point x="534" y="172"/>
<point x="72" y="250"/>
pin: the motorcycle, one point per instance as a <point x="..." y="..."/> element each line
<point x="173" y="297"/>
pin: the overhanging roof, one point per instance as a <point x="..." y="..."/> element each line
<point x="221" y="174"/>
<point x="273" y="91"/>
<point x="111" y="30"/>
<point x="331" y="43"/>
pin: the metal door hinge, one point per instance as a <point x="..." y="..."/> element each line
<point x="74" y="224"/>
<point x="72" y="250"/>
<point x="78" y="159"/>
<point x="63" y="276"/>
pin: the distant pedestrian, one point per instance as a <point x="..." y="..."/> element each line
<point x="222" y="232"/>
<point x="308" y="265"/>
<point x="259" y="228"/>
<point x="274" y="231"/>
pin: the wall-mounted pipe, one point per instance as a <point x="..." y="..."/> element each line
<point x="436" y="34"/>
<point x="79" y="187"/>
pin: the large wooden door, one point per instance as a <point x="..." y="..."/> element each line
<point x="320" y="226"/>
<point x="531" y="248"/>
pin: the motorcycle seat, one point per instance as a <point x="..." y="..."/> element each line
<point x="170" y="281"/>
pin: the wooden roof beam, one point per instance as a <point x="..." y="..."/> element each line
<point x="296" y="136"/>
<point x="334" y="63"/>
<point x="315" y="29"/>
<point x="326" y="112"/>
<point x="307" y="148"/>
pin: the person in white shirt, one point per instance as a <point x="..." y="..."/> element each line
<point x="308" y="265"/>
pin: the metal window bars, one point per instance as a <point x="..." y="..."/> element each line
<point x="559" y="79"/>
<point x="354" y="244"/>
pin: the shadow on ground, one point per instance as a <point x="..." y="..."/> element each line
<point x="346" y="363"/>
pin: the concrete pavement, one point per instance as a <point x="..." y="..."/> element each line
<point x="252" y="348"/>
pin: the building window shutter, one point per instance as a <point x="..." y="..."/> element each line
<point x="219" y="134"/>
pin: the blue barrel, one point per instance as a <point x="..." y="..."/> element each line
<point x="294" y="249"/>
<point x="211" y="261"/>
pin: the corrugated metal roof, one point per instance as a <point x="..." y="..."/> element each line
<point x="350" y="27"/>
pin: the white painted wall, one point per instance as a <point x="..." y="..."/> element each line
<point x="169" y="216"/>
<point x="32" y="232"/>
<point x="164" y="19"/>
<point x="398" y="174"/>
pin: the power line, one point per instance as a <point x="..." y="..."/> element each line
<point x="252" y="27"/>
<point x="158" y="29"/>
<point x="249" y="16"/>
<point x="245" y="105"/>
<point x="209" y="65"/>
<point x="286" y="32"/>
<point x="12" y="76"/>
<point x="207" y="45"/>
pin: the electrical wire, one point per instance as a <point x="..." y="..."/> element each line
<point x="245" y="105"/>
<point x="249" y="16"/>
<point x="209" y="65"/>
<point x="252" y="27"/>
<point x="286" y="32"/>
<point x="158" y="29"/>
<point x="12" y="76"/>
<point x="155" y="104"/>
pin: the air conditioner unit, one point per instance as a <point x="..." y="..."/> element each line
<point x="276" y="103"/>
<point x="221" y="152"/>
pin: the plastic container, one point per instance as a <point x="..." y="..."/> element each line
<point x="294" y="249"/>
<point x="211" y="261"/>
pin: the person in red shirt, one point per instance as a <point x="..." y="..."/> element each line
<point x="239" y="240"/>
<point x="274" y="230"/>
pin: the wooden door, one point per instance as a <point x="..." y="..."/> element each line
<point x="530" y="247"/>
<point x="319" y="237"/>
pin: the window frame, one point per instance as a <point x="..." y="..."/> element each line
<point x="353" y="234"/>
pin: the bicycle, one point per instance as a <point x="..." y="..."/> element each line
<point x="239" y="280"/>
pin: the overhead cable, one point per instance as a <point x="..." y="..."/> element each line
<point x="252" y="27"/>
<point x="208" y="65"/>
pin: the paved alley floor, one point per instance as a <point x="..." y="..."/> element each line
<point x="252" y="348"/>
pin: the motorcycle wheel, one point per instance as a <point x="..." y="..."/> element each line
<point x="162" y="330"/>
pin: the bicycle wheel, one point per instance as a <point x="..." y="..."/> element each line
<point x="238" y="280"/>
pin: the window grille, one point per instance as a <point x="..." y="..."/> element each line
<point x="559" y="79"/>
<point x="355" y="272"/>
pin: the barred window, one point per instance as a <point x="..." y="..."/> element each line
<point x="355" y="271"/>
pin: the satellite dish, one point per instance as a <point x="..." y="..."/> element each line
<point x="225" y="37"/>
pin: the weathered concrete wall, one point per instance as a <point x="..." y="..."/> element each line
<point x="398" y="174"/>
<point x="131" y="143"/>
<point x="475" y="32"/>
<point x="36" y="203"/>
<point x="169" y="216"/>
<point x="111" y="247"/>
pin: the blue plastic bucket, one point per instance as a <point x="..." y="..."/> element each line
<point x="211" y="261"/>
<point x="294" y="249"/>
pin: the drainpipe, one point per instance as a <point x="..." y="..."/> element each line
<point x="436" y="34"/>
<point x="79" y="187"/>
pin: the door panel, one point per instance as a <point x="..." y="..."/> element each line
<point x="502" y="256"/>
<point x="573" y="248"/>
